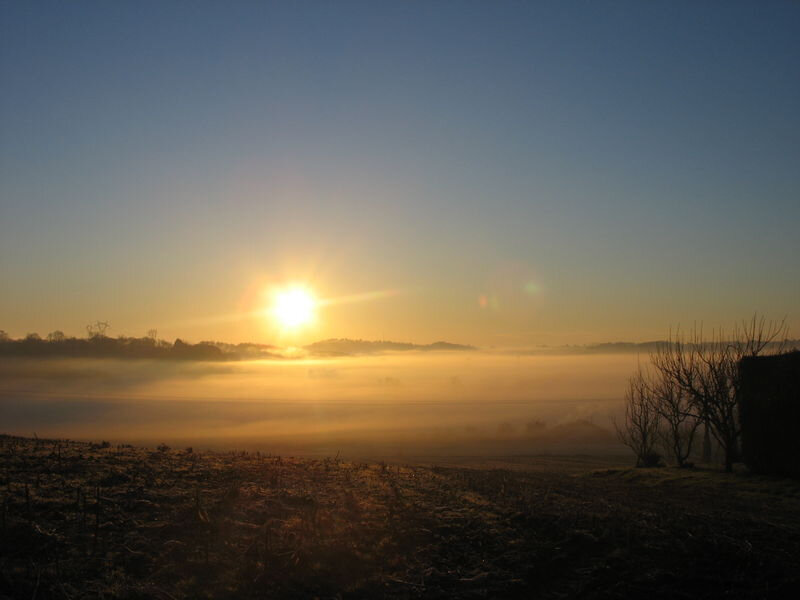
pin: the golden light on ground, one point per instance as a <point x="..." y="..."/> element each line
<point x="293" y="307"/>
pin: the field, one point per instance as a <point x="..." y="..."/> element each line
<point x="98" y="521"/>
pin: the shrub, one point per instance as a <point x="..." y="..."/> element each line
<point x="770" y="413"/>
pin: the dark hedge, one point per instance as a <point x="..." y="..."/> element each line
<point x="770" y="413"/>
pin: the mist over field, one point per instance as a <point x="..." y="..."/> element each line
<point x="398" y="404"/>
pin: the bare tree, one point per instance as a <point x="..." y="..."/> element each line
<point x="98" y="328"/>
<point x="678" y="423"/>
<point x="639" y="430"/>
<point x="55" y="336"/>
<point x="707" y="372"/>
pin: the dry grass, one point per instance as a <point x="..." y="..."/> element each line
<point x="85" y="521"/>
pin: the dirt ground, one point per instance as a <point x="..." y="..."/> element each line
<point x="86" y="521"/>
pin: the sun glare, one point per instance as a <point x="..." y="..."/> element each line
<point x="293" y="307"/>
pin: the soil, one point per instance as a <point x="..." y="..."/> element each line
<point x="83" y="520"/>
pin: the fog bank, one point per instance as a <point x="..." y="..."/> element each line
<point x="409" y="403"/>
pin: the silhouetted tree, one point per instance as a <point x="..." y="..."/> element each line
<point x="678" y="423"/>
<point x="98" y="328"/>
<point x="639" y="430"/>
<point x="707" y="372"/>
<point x="56" y="336"/>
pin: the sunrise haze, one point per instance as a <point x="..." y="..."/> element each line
<point x="498" y="174"/>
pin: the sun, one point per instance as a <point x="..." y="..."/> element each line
<point x="293" y="307"/>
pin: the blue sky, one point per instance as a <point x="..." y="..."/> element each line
<point x="593" y="170"/>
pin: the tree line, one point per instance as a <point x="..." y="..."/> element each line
<point x="693" y="384"/>
<point x="98" y="345"/>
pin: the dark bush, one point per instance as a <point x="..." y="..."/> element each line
<point x="769" y="407"/>
<point x="650" y="460"/>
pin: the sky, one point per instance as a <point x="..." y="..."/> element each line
<point x="493" y="173"/>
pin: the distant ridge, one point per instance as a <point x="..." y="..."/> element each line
<point x="348" y="347"/>
<point x="654" y="346"/>
<point x="101" y="346"/>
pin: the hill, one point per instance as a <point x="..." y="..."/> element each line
<point x="348" y="347"/>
